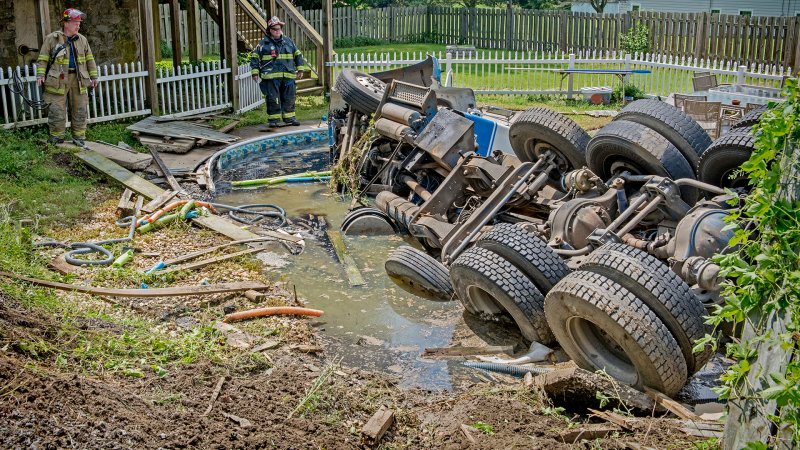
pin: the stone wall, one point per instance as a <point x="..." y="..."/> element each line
<point x="112" y="28"/>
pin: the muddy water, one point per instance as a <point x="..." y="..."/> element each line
<point x="378" y="326"/>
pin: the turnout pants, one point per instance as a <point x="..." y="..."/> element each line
<point x="78" y="109"/>
<point x="280" y="93"/>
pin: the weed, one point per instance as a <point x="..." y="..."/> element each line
<point x="357" y="41"/>
<point x="485" y="428"/>
<point x="707" y="444"/>
<point x="605" y="399"/>
<point x="168" y="399"/>
<point x="308" y="404"/>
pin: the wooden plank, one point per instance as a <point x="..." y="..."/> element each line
<point x="159" y="201"/>
<point x="125" y="205"/>
<point x="173" y="183"/>
<point x="467" y="351"/>
<point x="173" y="146"/>
<point x="350" y="268"/>
<point x="377" y="425"/>
<point x="119" y="173"/>
<point x="671" y="405"/>
<point x="180" y="130"/>
<point x="190" y="256"/>
<point x="588" y="432"/>
<point x="177" y="291"/>
<point x="209" y="261"/>
<point x="224" y="227"/>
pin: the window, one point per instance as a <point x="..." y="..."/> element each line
<point x="746" y="13"/>
<point x="714" y="11"/>
<point x="636" y="7"/>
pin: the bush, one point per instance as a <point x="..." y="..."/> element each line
<point x="166" y="49"/>
<point x="631" y="91"/>
<point x="357" y="41"/>
<point x="636" y="40"/>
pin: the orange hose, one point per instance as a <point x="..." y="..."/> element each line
<point x="271" y="311"/>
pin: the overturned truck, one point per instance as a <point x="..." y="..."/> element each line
<point x="602" y="245"/>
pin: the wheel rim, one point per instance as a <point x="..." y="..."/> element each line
<point x="612" y="358"/>
<point x="481" y="300"/>
<point x="535" y="148"/>
<point x="370" y="84"/>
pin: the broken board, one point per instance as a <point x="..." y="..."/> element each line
<point x="181" y="130"/>
<point x="151" y="191"/>
<point x="126" y="159"/>
<point x="349" y="264"/>
<point x="179" y="146"/>
<point x="146" y="293"/>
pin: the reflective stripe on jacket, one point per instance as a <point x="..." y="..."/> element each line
<point x="55" y="47"/>
<point x="276" y="59"/>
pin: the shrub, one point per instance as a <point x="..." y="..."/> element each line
<point x="636" y="40"/>
<point x="630" y="91"/>
<point x="357" y="41"/>
<point x="166" y="49"/>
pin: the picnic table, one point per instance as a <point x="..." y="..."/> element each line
<point x="619" y="73"/>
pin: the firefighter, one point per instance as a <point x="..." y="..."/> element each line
<point x="66" y="69"/>
<point x="278" y="62"/>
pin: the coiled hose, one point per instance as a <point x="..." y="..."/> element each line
<point x="86" y="248"/>
<point x="508" y="369"/>
<point x="277" y="213"/>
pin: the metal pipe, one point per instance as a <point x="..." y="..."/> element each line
<point x="417" y="188"/>
<point x="568" y="253"/>
<point x="638" y="217"/>
<point x="632" y="207"/>
<point x="700" y="185"/>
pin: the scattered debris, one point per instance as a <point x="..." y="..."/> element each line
<point x="210" y="261"/>
<point x="126" y="206"/>
<point x="588" y="432"/>
<point x="159" y="201"/>
<point x="537" y="353"/>
<point x="178" y="129"/>
<point x="268" y="345"/>
<point x="235" y="337"/>
<point x="272" y="311"/>
<point x="167" y="145"/>
<point x="214" y="395"/>
<point x="173" y="183"/>
<point x="244" y="423"/>
<point x="353" y="275"/>
<point x="617" y="419"/>
<point x="255" y="296"/>
<point x="190" y="256"/>
<point x="467" y="430"/>
<point x="440" y="352"/>
<point x="671" y="405"/>
<point x="154" y="292"/>
<point x="702" y="429"/>
<point x="377" y="425"/>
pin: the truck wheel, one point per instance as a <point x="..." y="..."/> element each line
<point x="658" y="287"/>
<point x="724" y="157"/>
<point x="360" y="90"/>
<point x="681" y="130"/>
<point x="603" y="326"/>
<point x="749" y="119"/>
<point x="486" y="283"/>
<point x="538" y="129"/>
<point x="368" y="221"/>
<point x="623" y="145"/>
<point x="419" y="273"/>
<point x="532" y="256"/>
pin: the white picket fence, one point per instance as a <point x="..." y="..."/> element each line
<point x="514" y="73"/>
<point x="188" y="90"/>
<point x="119" y="94"/>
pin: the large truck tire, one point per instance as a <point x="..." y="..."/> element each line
<point x="419" y="273"/>
<point x="537" y="129"/>
<point x="720" y="162"/>
<point x="360" y="90"/>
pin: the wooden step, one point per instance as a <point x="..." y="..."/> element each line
<point x="316" y="90"/>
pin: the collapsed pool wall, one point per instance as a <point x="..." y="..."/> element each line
<point x="262" y="146"/>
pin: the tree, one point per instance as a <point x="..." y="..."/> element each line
<point x="598" y="5"/>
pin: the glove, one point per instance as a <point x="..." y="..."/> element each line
<point x="301" y="74"/>
<point x="40" y="81"/>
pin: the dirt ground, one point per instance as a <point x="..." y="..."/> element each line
<point x="267" y="402"/>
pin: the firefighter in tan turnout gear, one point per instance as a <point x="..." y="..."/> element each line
<point x="277" y="63"/>
<point x="66" y="69"/>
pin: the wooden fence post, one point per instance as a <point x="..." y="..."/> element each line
<point x="175" y="29"/>
<point x="570" y="87"/>
<point x="195" y="43"/>
<point x="228" y="16"/>
<point x="148" y="54"/>
<point x="155" y="36"/>
<point x="563" y="18"/>
<point x="700" y="41"/>
<point x="509" y="26"/>
<point x="327" y="43"/>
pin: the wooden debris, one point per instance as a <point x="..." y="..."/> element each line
<point x="190" y="256"/>
<point x="255" y="296"/>
<point x="173" y="183"/>
<point x="272" y="311"/>
<point x="377" y="425"/>
<point x="179" y="146"/>
<point x="214" y="395"/>
<point x="617" y="419"/>
<point x="60" y="265"/>
<point x="125" y="158"/>
<point x="180" y="130"/>
<point x="307" y="348"/>
<point x="159" y="201"/>
<point x="671" y="405"/>
<point x="244" y="423"/>
<point x="146" y="293"/>
<point x="702" y="432"/>
<point x="235" y="337"/>
<point x="435" y="352"/>
<point x="467" y="430"/>
<point x="125" y="206"/>
<point x="268" y="345"/>
<point x="350" y="268"/>
<point x="573" y="383"/>
<point x="115" y="171"/>
<point x="230" y="126"/>
<point x="588" y="432"/>
<point x="209" y="261"/>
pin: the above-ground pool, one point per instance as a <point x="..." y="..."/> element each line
<point x="378" y="326"/>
